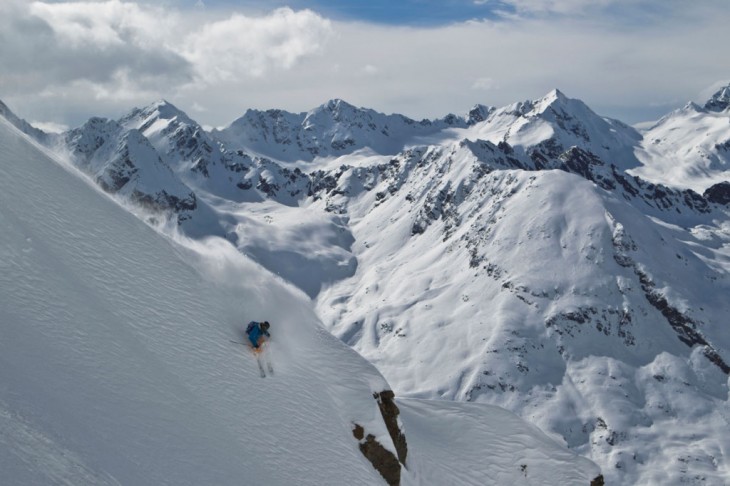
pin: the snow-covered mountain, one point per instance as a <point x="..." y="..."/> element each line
<point x="117" y="365"/>
<point x="690" y="147"/>
<point x="332" y="129"/>
<point x="545" y="128"/>
<point x="543" y="293"/>
<point x="125" y="162"/>
<point x="527" y="256"/>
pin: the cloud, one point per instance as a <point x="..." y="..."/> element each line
<point x="485" y="84"/>
<point x="117" y="54"/>
<point x="52" y="45"/>
<point x="619" y="12"/>
<point x="116" y="48"/>
<point x="254" y="46"/>
<point x="574" y="7"/>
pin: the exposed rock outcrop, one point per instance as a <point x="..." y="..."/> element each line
<point x="383" y="460"/>
<point x="390" y="412"/>
<point x="718" y="193"/>
<point x="598" y="481"/>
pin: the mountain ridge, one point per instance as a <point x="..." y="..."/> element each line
<point x="573" y="273"/>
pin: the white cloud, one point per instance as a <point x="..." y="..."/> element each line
<point x="621" y="12"/>
<point x="122" y="53"/>
<point x="103" y="25"/>
<point x="563" y="6"/>
<point x="485" y="84"/>
<point x="254" y="46"/>
<point x="122" y="50"/>
<point x="57" y="45"/>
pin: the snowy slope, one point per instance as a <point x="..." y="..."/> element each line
<point x="690" y="147"/>
<point x="116" y="365"/>
<point x="478" y="444"/>
<point x="116" y="360"/>
<point x="541" y="292"/>
<point x="508" y="256"/>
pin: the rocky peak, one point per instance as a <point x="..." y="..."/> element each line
<point x="478" y="113"/>
<point x="556" y="100"/>
<point x="338" y="105"/>
<point x="719" y="101"/>
<point x="338" y="111"/>
<point x="143" y="118"/>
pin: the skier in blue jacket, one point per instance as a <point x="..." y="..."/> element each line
<point x="256" y="331"/>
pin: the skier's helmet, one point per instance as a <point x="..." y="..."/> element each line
<point x="265" y="325"/>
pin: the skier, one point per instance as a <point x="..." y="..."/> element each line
<point x="256" y="332"/>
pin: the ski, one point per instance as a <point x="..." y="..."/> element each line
<point x="261" y="367"/>
<point x="266" y="353"/>
<point x="257" y="355"/>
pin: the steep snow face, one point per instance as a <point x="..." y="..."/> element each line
<point x="540" y="292"/>
<point x="690" y="147"/>
<point x="116" y="365"/>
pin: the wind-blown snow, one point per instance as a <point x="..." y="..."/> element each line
<point x="116" y="365"/>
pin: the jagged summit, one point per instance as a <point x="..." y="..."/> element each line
<point x="166" y="109"/>
<point x="556" y="99"/>
<point x="338" y="104"/>
<point x="555" y="94"/>
<point x="719" y="101"/>
<point x="478" y="113"/>
<point x="159" y="110"/>
<point x="333" y="128"/>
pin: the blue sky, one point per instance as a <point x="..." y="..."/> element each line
<point x="64" y="61"/>
<point x="400" y="12"/>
